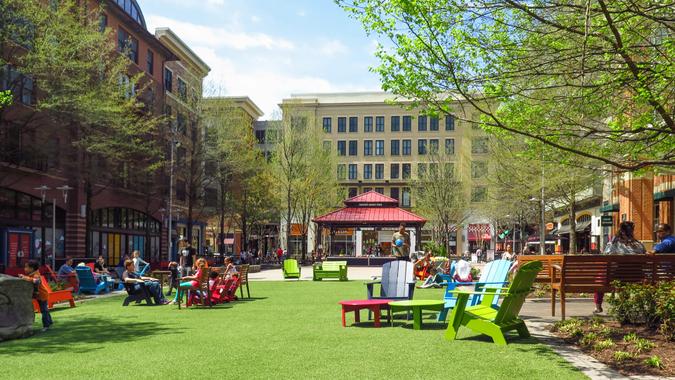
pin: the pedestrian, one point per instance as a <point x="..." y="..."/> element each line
<point x="665" y="233"/>
<point x="401" y="243"/>
<point x="40" y="293"/>
<point x="280" y="254"/>
<point x="624" y="243"/>
<point x="138" y="261"/>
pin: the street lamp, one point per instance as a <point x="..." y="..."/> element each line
<point x="43" y="192"/>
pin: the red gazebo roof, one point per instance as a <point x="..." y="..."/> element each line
<point x="371" y="208"/>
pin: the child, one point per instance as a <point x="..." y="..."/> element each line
<point x="213" y="276"/>
<point x="39" y="291"/>
<point x="230" y="269"/>
<point x="173" y="277"/>
<point x="433" y="281"/>
<point x="138" y="261"/>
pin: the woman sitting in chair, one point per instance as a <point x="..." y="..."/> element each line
<point x="191" y="282"/>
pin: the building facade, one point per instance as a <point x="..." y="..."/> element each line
<point x="382" y="146"/>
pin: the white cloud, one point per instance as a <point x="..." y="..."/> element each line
<point x="219" y="37"/>
<point x="332" y="48"/>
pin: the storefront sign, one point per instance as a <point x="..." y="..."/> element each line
<point x="607" y="220"/>
<point x="344" y="231"/>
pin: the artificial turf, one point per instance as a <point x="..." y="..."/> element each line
<point x="288" y="330"/>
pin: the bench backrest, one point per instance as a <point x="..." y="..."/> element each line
<point x="603" y="269"/>
<point x="86" y="277"/>
<point x="243" y="273"/>
<point x="395" y="278"/>
<point x="546" y="261"/>
<point x="333" y="266"/>
<point x="291" y="266"/>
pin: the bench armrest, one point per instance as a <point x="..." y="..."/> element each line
<point x="372" y="282"/>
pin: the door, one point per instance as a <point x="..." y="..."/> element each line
<point x="17" y="249"/>
<point x="114" y="249"/>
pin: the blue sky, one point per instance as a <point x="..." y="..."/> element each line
<point x="268" y="49"/>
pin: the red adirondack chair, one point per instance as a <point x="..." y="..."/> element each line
<point x="54" y="297"/>
<point x="224" y="290"/>
<point x="71" y="280"/>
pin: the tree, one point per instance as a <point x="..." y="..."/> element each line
<point x="5" y="99"/>
<point x="589" y="78"/>
<point x="441" y="194"/>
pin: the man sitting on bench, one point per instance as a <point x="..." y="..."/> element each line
<point x="153" y="285"/>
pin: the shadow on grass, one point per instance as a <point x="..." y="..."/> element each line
<point x="250" y="299"/>
<point x="80" y="335"/>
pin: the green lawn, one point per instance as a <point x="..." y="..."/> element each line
<point x="289" y="330"/>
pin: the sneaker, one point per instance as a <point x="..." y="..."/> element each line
<point x="44" y="329"/>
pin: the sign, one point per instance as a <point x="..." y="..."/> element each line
<point x="344" y="231"/>
<point x="606" y="220"/>
<point x="549" y="226"/>
<point x="297" y="229"/>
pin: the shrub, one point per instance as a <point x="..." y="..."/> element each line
<point x="630" y="337"/>
<point x="643" y="345"/>
<point x="588" y="339"/>
<point x="571" y="327"/>
<point x="665" y="309"/>
<point x="475" y="273"/>
<point x="652" y="305"/>
<point x="622" y="356"/>
<point x="654" y="361"/>
<point x="603" y="345"/>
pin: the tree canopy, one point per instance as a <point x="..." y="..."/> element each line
<point x="591" y="78"/>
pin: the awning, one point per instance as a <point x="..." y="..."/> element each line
<point x="477" y="232"/>
<point x="580" y="227"/>
<point x="664" y="195"/>
<point x="610" y="208"/>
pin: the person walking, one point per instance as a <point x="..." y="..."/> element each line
<point x="624" y="243"/>
<point x="400" y="242"/>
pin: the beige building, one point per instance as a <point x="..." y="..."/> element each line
<point x="383" y="146"/>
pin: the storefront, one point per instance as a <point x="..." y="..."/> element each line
<point x="26" y="229"/>
<point x="479" y="236"/>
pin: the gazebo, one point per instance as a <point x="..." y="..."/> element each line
<point x="365" y="225"/>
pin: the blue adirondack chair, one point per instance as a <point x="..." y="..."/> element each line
<point x="88" y="282"/>
<point x="494" y="276"/>
<point x="144" y="269"/>
<point x="396" y="283"/>
<point x="448" y="277"/>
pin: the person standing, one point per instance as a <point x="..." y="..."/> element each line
<point x="665" y="233"/>
<point x="40" y="293"/>
<point x="624" y="243"/>
<point x="402" y="251"/>
<point x="138" y="261"/>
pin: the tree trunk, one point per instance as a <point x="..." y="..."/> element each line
<point x="221" y="221"/>
<point x="288" y="220"/>
<point x="244" y="220"/>
<point x="87" y="220"/>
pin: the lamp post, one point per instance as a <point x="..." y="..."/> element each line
<point x="43" y="191"/>
<point x="174" y="144"/>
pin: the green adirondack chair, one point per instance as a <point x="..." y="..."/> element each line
<point x="484" y="319"/>
<point x="291" y="269"/>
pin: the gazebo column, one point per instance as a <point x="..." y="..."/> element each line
<point x="358" y="244"/>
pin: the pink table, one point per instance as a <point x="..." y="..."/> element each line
<point x="357" y="305"/>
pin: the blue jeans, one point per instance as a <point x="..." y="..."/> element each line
<point x="156" y="291"/>
<point x="44" y="310"/>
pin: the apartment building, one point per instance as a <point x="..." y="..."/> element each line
<point x="383" y="146"/>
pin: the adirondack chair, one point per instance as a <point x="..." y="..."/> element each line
<point x="243" y="280"/>
<point x="396" y="283"/>
<point x="329" y="269"/>
<point x="484" y="319"/>
<point x="70" y="280"/>
<point x="54" y="297"/>
<point x="88" y="282"/>
<point x="144" y="269"/>
<point x="136" y="292"/>
<point x="448" y="277"/>
<point x="494" y="275"/>
<point x="291" y="269"/>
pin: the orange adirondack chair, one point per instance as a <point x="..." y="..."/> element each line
<point x="71" y="280"/>
<point x="54" y="296"/>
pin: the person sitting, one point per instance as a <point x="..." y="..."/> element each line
<point x="191" y="282"/>
<point x="152" y="284"/>
<point x="138" y="261"/>
<point x="422" y="266"/>
<point x="462" y="272"/>
<point x="665" y="233"/>
<point x="100" y="267"/>
<point x="433" y="281"/>
<point x="66" y="271"/>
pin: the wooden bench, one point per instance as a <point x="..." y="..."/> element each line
<point x="544" y="276"/>
<point x="330" y="269"/>
<point x="595" y="273"/>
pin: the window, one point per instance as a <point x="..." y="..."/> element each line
<point x="405" y="172"/>
<point x="449" y="146"/>
<point x="449" y="123"/>
<point x="353" y="171"/>
<point x="182" y="90"/>
<point x="341" y="172"/>
<point x="181" y="123"/>
<point x="395" y="123"/>
<point x="407" y="123"/>
<point x="127" y="45"/>
<point x="479" y="145"/>
<point x="379" y="147"/>
<point x="367" y="171"/>
<point x="422" y="147"/>
<point x="327" y="146"/>
<point x="353" y="124"/>
<point x="353" y="147"/>
<point x="150" y="61"/>
<point x="422" y="123"/>
<point x="433" y="146"/>
<point x="353" y="192"/>
<point x="102" y="22"/>
<point x="327" y="124"/>
<point x="395" y="148"/>
<point x="342" y="148"/>
<point x="367" y="189"/>
<point x="478" y="169"/>
<point x="407" y="147"/>
<point x="478" y="194"/>
<point x="405" y="201"/>
<point x="368" y="147"/>
<point x="379" y="124"/>
<point x="379" y="171"/>
<point x="379" y="190"/>
<point x="393" y="171"/>
<point x="433" y="123"/>
<point x="168" y="80"/>
<point x="342" y="124"/>
<point x="368" y="124"/>
<point x="393" y="192"/>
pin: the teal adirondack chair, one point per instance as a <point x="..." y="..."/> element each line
<point x="494" y="275"/>
<point x="291" y="269"/>
<point x="484" y="319"/>
<point x="88" y="283"/>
